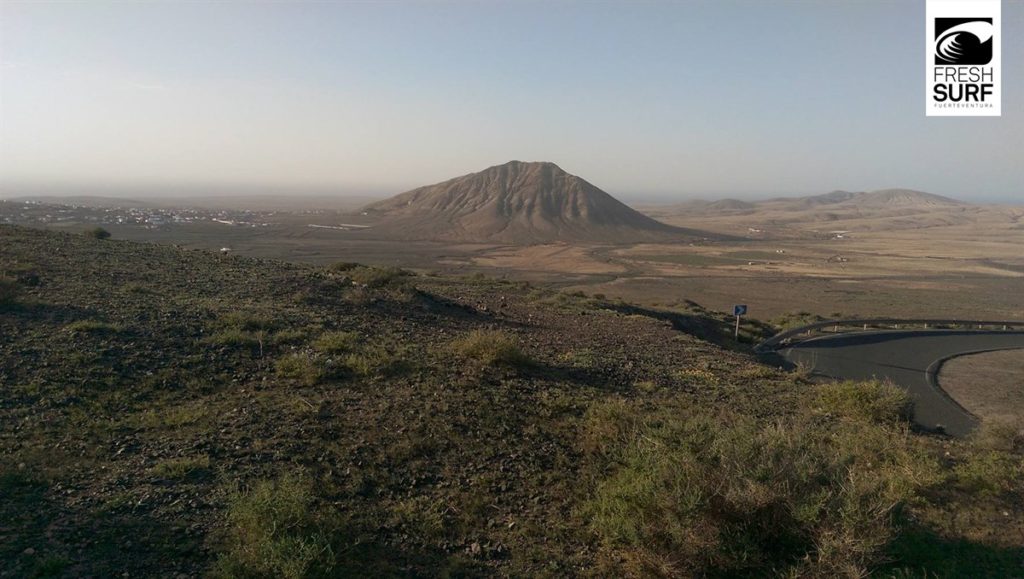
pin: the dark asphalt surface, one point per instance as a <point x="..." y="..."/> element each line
<point x="906" y="358"/>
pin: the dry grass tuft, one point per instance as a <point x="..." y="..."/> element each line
<point x="727" y="495"/>
<point x="275" y="531"/>
<point x="872" y="401"/>
<point x="490" y="347"/>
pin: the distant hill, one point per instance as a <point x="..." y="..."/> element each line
<point x="730" y="205"/>
<point x="883" y="200"/>
<point x="517" y="202"/>
<point x="904" y="198"/>
<point x="823" y="199"/>
<point x="882" y="209"/>
<point x="880" y="199"/>
<point x="727" y="205"/>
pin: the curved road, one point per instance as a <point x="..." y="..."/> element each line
<point x="910" y="359"/>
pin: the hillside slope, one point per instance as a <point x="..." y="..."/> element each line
<point x="519" y="203"/>
<point x="882" y="200"/>
<point x="168" y="412"/>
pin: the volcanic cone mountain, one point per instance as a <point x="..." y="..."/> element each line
<point x="517" y="202"/>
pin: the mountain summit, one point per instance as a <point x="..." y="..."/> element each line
<point x="517" y="202"/>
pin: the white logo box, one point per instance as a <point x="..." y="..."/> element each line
<point x="963" y="90"/>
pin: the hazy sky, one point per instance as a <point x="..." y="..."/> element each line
<point x="643" y="99"/>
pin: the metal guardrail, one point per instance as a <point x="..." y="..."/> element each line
<point x="786" y="337"/>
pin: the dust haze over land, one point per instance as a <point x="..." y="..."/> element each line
<point x="891" y="252"/>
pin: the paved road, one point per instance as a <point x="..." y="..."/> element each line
<point x="907" y="358"/>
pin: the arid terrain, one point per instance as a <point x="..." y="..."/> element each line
<point x="167" y="411"/>
<point x="892" y="253"/>
<point x="327" y="289"/>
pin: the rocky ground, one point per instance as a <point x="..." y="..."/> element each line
<point x="141" y="385"/>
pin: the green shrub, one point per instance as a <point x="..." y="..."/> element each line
<point x="991" y="473"/>
<point x="136" y="288"/>
<point x="793" y="320"/>
<point x="180" y="468"/>
<point x="97" y="233"/>
<point x="50" y="565"/>
<point x="309" y="368"/>
<point x="174" y="417"/>
<point x="378" y="276"/>
<point x="697" y="376"/>
<point x="274" y="530"/>
<point x="647" y="386"/>
<point x="374" y="360"/>
<point x="491" y="347"/>
<point x="293" y="336"/>
<point x="584" y="358"/>
<point x="336" y="342"/>
<point x="606" y="427"/>
<point x="1004" y="436"/>
<point x="759" y="372"/>
<point x="247" y="330"/>
<point x="421" y="516"/>
<point x="92" y="327"/>
<point x="9" y="291"/>
<point x="247" y="322"/>
<point x="235" y="338"/>
<point x="300" y="367"/>
<point x="871" y="401"/>
<point x="22" y="273"/>
<point x="729" y="496"/>
<point x="343" y="266"/>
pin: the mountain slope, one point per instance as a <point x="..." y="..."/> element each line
<point x="515" y="203"/>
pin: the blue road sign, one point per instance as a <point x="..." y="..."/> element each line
<point x="739" y="310"/>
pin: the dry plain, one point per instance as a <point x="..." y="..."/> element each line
<point x="246" y="408"/>
<point x="891" y="254"/>
<point x="973" y="270"/>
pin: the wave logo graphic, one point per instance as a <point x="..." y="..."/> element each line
<point x="963" y="40"/>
